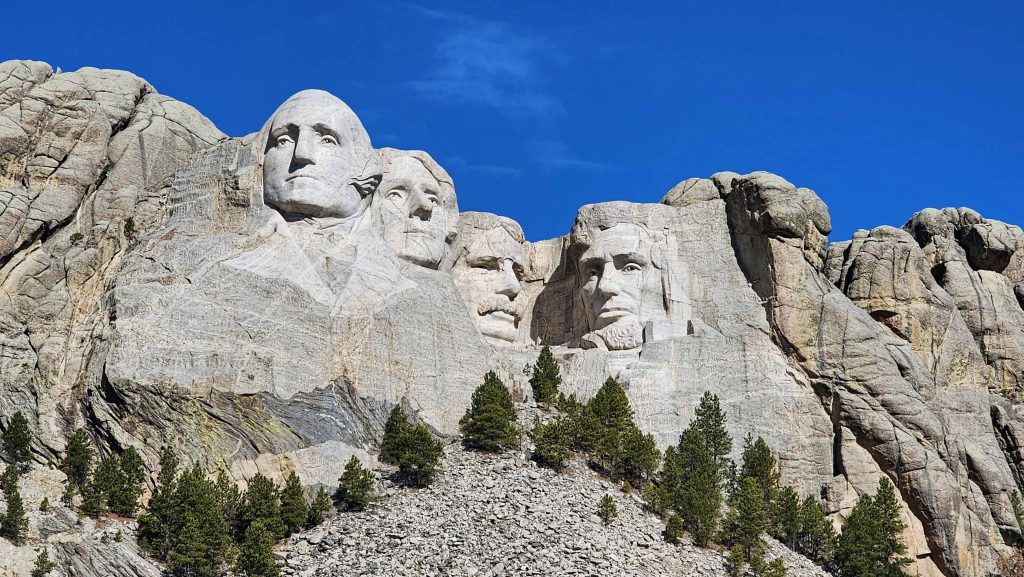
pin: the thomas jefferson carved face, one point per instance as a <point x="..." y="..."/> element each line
<point x="416" y="204"/>
<point x="613" y="270"/>
<point x="316" y="148"/>
<point x="488" y="276"/>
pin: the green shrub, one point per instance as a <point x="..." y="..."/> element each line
<point x="606" y="509"/>
<point x="355" y="487"/>
<point x="551" y="442"/>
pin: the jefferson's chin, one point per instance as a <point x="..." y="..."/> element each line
<point x="498" y="325"/>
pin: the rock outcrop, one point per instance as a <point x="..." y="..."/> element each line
<point x="262" y="302"/>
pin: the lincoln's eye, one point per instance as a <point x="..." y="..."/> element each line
<point x="328" y="140"/>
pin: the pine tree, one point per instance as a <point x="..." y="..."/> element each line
<point x="421" y="460"/>
<point x="546" y="377"/>
<point x="157" y="525"/>
<point x="1018" y="509"/>
<point x="124" y="495"/>
<point x="869" y="544"/>
<point x="698" y="493"/>
<point x="18" y="439"/>
<point x="256" y="554"/>
<point x="746" y="519"/>
<point x="14" y="524"/>
<point x="77" y="463"/>
<point x="551" y="442"/>
<point x="294" y="509"/>
<point x="759" y="464"/>
<point x="391" y="448"/>
<point x="200" y="534"/>
<point x="710" y="421"/>
<point x="639" y="456"/>
<point x="610" y="406"/>
<point x="785" y="519"/>
<point x="43" y="564"/>
<point x="817" y="539"/>
<point x="606" y="509"/>
<point x="261" y="501"/>
<point x="229" y="499"/>
<point x="355" y="487"/>
<point x="9" y="479"/>
<point x="673" y="529"/>
<point x="319" y="509"/>
<point x="489" y="423"/>
<point x="94" y="499"/>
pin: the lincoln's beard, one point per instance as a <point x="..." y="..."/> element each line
<point x="622" y="335"/>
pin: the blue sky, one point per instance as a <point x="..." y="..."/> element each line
<point x="536" y="108"/>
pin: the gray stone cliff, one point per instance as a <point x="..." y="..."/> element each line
<point x="262" y="302"/>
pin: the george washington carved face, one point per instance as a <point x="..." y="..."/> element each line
<point x="318" y="161"/>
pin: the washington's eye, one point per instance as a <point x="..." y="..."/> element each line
<point x="632" y="267"/>
<point x="283" y="140"/>
<point x="328" y="140"/>
<point x="395" y="192"/>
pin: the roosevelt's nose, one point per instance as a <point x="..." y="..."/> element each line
<point x="419" y="205"/>
<point x="509" y="283"/>
<point x="305" y="148"/>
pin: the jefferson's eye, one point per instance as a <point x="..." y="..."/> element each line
<point x="395" y="192"/>
<point x="328" y="140"/>
<point x="632" y="267"/>
<point x="284" y="140"/>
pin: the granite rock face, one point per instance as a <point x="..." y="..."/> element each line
<point x="262" y="302"/>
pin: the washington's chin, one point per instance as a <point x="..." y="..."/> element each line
<point x="310" y="197"/>
<point x="499" y="326"/>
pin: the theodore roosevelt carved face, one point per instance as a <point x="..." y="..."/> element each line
<point x="416" y="205"/>
<point x="318" y="161"/>
<point x="488" y="273"/>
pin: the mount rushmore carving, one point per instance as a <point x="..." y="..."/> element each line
<point x="262" y="302"/>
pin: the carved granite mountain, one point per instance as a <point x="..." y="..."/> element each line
<point x="262" y="302"/>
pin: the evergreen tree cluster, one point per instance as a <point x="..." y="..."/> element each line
<point x="870" y="542"/>
<point x="603" y="429"/>
<point x="412" y="448"/>
<point x="115" y="486"/>
<point x="198" y="526"/>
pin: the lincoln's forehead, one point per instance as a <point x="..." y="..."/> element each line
<point x="622" y="238"/>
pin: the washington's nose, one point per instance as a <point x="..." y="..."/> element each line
<point x="419" y="205"/>
<point x="509" y="283"/>
<point x="305" y="148"/>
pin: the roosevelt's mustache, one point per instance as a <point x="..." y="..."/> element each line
<point x="501" y="303"/>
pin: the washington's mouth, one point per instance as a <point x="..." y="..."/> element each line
<point x="297" y="176"/>
<point x="614" y="312"/>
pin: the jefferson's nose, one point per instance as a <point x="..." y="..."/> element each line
<point x="419" y="205"/>
<point x="509" y="284"/>
<point x="305" y="148"/>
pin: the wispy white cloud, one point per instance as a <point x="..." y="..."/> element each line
<point x="555" y="154"/>
<point x="494" y="169"/>
<point x="488" y="63"/>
